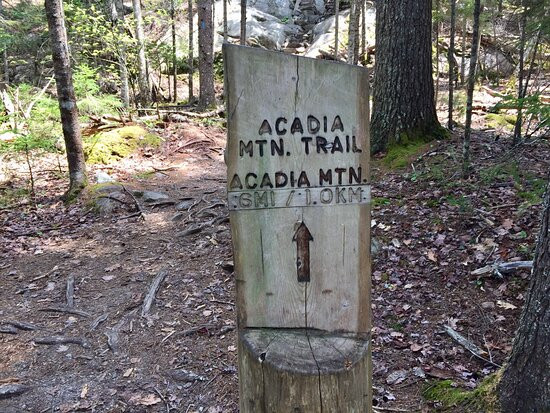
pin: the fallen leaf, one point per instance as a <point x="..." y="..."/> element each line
<point x="128" y="372"/>
<point x="397" y="376"/>
<point x="84" y="391"/>
<point x="431" y="256"/>
<point x="416" y="347"/>
<point x="505" y="305"/>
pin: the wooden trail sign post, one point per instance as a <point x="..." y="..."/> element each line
<point x="299" y="199"/>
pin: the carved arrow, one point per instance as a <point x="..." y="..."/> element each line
<point x="302" y="237"/>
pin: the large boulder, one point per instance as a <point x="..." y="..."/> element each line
<point x="324" y="33"/>
<point x="262" y="29"/>
<point x="495" y="63"/>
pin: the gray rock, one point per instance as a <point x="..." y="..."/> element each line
<point x="152" y="196"/>
<point x="184" y="205"/>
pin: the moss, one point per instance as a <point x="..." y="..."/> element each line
<point x="499" y="121"/>
<point x="400" y="155"/>
<point x="483" y="398"/>
<point x="10" y="196"/>
<point x="106" y="147"/>
<point x="378" y="201"/>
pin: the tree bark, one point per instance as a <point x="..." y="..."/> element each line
<point x="174" y="57"/>
<point x="115" y="13"/>
<point x="403" y="98"/>
<point x="463" y="57"/>
<point x="336" y="27"/>
<point x="66" y="98"/>
<point x="363" y="32"/>
<point x="353" y="32"/>
<point x="470" y="91"/>
<point x="5" y="53"/>
<point x="225" y="20"/>
<point x="451" y="58"/>
<point x="206" y="55"/>
<point x="243" y="22"/>
<point x="190" y="58"/>
<point x="143" y="79"/>
<point x="437" y="51"/>
<point x="519" y="119"/>
<point x="525" y="383"/>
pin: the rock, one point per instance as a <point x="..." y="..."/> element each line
<point x="324" y="33"/>
<point x="397" y="376"/>
<point x="262" y="29"/>
<point x="152" y="196"/>
<point x="277" y="8"/>
<point x="494" y="62"/>
<point x="184" y="205"/>
<point x="186" y="376"/>
<point x="11" y="390"/>
<point x="103" y="177"/>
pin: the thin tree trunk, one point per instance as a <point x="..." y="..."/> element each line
<point x="174" y="57"/>
<point x="5" y="53"/>
<point x="463" y="58"/>
<point x="525" y="383"/>
<point x="143" y="79"/>
<point x="225" y="21"/>
<point x="363" y="31"/>
<point x="206" y="55"/>
<point x="336" y="27"/>
<point x="352" y="31"/>
<point x="451" y="59"/>
<point x="403" y="105"/>
<point x="190" y="58"/>
<point x="437" y="51"/>
<point x="66" y="98"/>
<point x="519" y="119"/>
<point x="116" y="15"/>
<point x="243" y="22"/>
<point x="470" y="91"/>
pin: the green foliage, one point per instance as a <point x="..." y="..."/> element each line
<point x="463" y="203"/>
<point x="90" y="100"/>
<point x="106" y="147"/>
<point x="533" y="108"/>
<point x="10" y="196"/>
<point x="498" y="121"/>
<point x="481" y="399"/>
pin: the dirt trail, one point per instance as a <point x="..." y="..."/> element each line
<point x="182" y="356"/>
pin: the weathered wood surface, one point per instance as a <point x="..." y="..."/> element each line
<point x="284" y="173"/>
<point x="300" y="370"/>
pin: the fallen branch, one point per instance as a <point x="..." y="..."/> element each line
<point x="53" y="340"/>
<point x="468" y="345"/>
<point x="70" y="291"/>
<point x="11" y="390"/>
<point x="153" y="289"/>
<point x="112" y="334"/>
<point x="499" y="269"/>
<point x="21" y="325"/>
<point x="8" y="330"/>
<point x="98" y="321"/>
<point x="66" y="310"/>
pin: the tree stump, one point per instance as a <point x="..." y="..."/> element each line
<point x="303" y="370"/>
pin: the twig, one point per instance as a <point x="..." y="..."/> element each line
<point x="98" y="321"/>
<point x="52" y="340"/>
<point x="136" y="203"/>
<point x="163" y="399"/>
<point x="66" y="310"/>
<point x="8" y="330"/>
<point x="70" y="291"/>
<point x="153" y="289"/>
<point x="10" y="390"/>
<point x="468" y="345"/>
<point x="498" y="269"/>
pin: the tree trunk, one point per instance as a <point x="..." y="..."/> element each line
<point x="115" y="13"/>
<point x="206" y="55"/>
<point x="225" y="20"/>
<point x="66" y="98"/>
<point x="525" y="383"/>
<point x="470" y="92"/>
<point x="352" y="31"/>
<point x="463" y="57"/>
<point x="519" y="119"/>
<point x="243" y="22"/>
<point x="403" y="99"/>
<point x="5" y="53"/>
<point x="174" y="57"/>
<point x="451" y="58"/>
<point x="143" y="79"/>
<point x="336" y="27"/>
<point x="363" y="32"/>
<point x="190" y="58"/>
<point x="437" y="51"/>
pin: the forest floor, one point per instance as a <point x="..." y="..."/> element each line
<point x="433" y="227"/>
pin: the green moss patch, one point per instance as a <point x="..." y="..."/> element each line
<point x="107" y="147"/>
<point x="499" y="121"/>
<point x="482" y="399"/>
<point x="10" y="196"/>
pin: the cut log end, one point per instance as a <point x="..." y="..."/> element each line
<point x="301" y="370"/>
